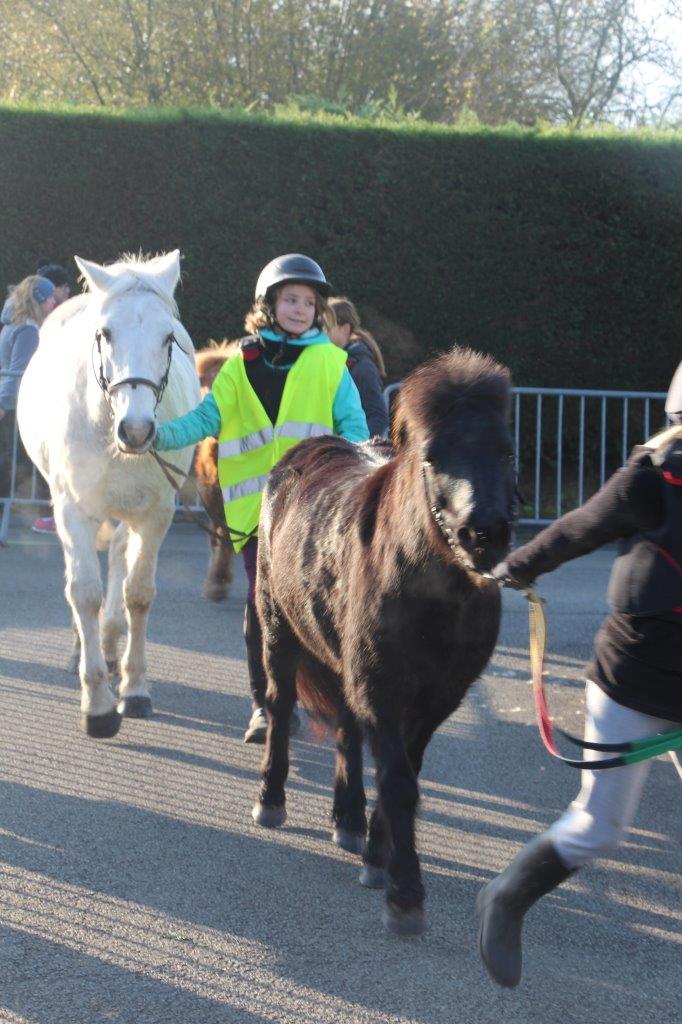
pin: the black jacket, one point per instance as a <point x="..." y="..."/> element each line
<point x="365" y="374"/>
<point x="637" y="659"/>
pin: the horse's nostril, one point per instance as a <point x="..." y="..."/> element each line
<point x="135" y="436"/>
<point x="467" y="538"/>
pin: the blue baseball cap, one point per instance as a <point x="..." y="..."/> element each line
<point x="43" y="289"/>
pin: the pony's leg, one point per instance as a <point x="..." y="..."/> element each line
<point x="398" y="797"/>
<point x="219" y="574"/>
<point x="348" y="812"/>
<point x="113" y="618"/>
<point x="281" y="652"/>
<point x="77" y="533"/>
<point x="144" y="540"/>
<point x="376" y="852"/>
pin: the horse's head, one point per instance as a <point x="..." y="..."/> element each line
<point x="136" y="320"/>
<point x="453" y="416"/>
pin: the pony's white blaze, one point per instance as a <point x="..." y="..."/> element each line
<point x="79" y="439"/>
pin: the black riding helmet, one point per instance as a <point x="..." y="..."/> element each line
<point x="673" y="403"/>
<point x="293" y="267"/>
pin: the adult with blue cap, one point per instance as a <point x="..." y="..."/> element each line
<point x="27" y="305"/>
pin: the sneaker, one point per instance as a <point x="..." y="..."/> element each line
<point x="257" y="727"/>
<point x="44" y="524"/>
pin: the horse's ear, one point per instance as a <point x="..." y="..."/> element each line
<point x="98" y="277"/>
<point x="167" y="271"/>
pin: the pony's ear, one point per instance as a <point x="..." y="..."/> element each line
<point x="99" y="278"/>
<point x="167" y="271"/>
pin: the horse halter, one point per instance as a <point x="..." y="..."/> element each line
<point x="108" y="386"/>
<point x="439" y="519"/>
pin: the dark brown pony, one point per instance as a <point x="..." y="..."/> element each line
<point x="373" y="602"/>
<point x="219" y="576"/>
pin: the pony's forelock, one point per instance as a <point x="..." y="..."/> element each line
<point x="432" y="391"/>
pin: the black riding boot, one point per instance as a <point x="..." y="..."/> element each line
<point x="502" y="903"/>
<point x="253" y="637"/>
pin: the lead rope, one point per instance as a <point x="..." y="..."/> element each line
<point x="629" y="753"/>
<point x="233" y="535"/>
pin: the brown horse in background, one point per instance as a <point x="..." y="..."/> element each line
<point x="219" y="576"/>
<point x="373" y="601"/>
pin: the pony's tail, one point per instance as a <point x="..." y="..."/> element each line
<point x="319" y="697"/>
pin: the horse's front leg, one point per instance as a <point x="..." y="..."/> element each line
<point x="348" y="812"/>
<point x="280" y="656"/>
<point x="113" y="618"/>
<point x="144" y="540"/>
<point x="84" y="593"/>
<point x="398" y="798"/>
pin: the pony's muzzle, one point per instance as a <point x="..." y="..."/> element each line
<point x="134" y="436"/>
<point x="485" y="544"/>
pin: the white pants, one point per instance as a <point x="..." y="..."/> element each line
<point x="605" y="807"/>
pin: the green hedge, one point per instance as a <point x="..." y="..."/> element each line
<point x="559" y="253"/>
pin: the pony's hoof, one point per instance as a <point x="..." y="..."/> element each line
<point x="102" y="727"/>
<point x="373" y="877"/>
<point x="135" y="707"/>
<point x="269" y="817"/>
<point x="404" y="921"/>
<point x="353" y="842"/>
<point x="215" y="594"/>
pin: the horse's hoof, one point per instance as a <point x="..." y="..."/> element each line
<point x="136" y="707"/>
<point x="269" y="817"/>
<point x="215" y="594"/>
<point x="373" y="877"/>
<point x="404" y="921"/>
<point x="102" y="727"/>
<point x="353" y="842"/>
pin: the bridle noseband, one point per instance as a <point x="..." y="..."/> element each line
<point x="439" y="519"/>
<point x="108" y="387"/>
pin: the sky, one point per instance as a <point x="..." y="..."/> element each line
<point x="655" y="82"/>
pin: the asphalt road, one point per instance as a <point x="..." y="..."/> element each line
<point x="135" y="888"/>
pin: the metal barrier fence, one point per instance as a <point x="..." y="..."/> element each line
<point x="567" y="443"/>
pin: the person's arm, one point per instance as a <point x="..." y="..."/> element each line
<point x="194" y="426"/>
<point x="349" y="419"/>
<point x="365" y="373"/>
<point x="631" y="500"/>
<point x="24" y="345"/>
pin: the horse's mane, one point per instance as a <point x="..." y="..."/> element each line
<point x="132" y="273"/>
<point x="430" y="392"/>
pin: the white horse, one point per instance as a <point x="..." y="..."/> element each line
<point x="108" y="363"/>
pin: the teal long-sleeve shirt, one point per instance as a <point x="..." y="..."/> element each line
<point x="204" y="421"/>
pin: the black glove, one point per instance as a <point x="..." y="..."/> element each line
<point x="502" y="574"/>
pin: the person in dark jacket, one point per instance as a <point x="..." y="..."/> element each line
<point x="633" y="682"/>
<point x="60" y="278"/>
<point x="365" y="362"/>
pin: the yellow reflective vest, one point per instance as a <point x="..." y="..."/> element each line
<point x="249" y="444"/>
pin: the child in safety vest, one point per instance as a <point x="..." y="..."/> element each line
<point x="288" y="382"/>
<point x="634" y="680"/>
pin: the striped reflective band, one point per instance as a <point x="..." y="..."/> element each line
<point x="302" y="430"/>
<point x="241" y="490"/>
<point x="242" y="445"/>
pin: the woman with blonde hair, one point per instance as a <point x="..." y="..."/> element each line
<point x="27" y="305"/>
<point x="365" y="362"/>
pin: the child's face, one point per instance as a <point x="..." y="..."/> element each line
<point x="295" y="308"/>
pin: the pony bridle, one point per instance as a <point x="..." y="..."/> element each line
<point x="108" y="387"/>
<point x="439" y="519"/>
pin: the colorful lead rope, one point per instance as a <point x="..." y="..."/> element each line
<point x="628" y="753"/>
